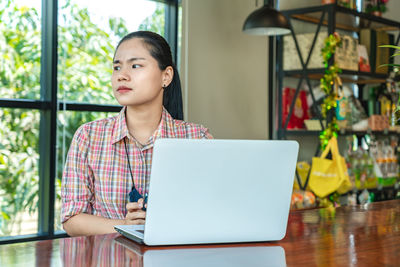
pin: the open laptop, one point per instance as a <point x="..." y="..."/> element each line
<point x="217" y="191"/>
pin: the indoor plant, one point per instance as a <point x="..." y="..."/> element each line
<point x="376" y="7"/>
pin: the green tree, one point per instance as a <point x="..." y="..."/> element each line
<point x="155" y="22"/>
<point x="85" y="54"/>
<point x="19" y="128"/>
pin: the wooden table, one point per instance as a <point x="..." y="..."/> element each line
<point x="367" y="235"/>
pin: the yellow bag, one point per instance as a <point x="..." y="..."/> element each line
<point x="303" y="169"/>
<point x="329" y="175"/>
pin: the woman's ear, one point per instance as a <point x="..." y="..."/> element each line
<point x="168" y="75"/>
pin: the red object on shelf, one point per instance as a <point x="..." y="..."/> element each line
<point x="300" y="110"/>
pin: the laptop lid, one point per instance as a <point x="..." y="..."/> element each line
<point x="219" y="191"/>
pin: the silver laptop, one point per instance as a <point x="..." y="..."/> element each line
<point x="217" y="191"/>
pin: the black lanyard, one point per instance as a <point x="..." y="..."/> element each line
<point x="134" y="195"/>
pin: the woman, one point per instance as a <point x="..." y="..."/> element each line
<point x="109" y="156"/>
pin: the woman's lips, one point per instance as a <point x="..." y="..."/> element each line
<point x="123" y="89"/>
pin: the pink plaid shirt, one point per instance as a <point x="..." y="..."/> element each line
<point x="96" y="178"/>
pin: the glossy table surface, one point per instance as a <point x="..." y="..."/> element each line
<point x="367" y="235"/>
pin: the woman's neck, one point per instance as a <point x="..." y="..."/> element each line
<point x="142" y="122"/>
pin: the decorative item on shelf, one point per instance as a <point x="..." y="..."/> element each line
<point x="363" y="59"/>
<point x="376" y="7"/>
<point x="378" y="122"/>
<point x="329" y="175"/>
<point x="352" y="4"/>
<point x="344" y="3"/>
<point x="327" y="83"/>
<point x="346" y="56"/>
<point x="302" y="200"/>
<point x="379" y="57"/>
<point x="302" y="168"/>
<point x="360" y="165"/>
<point x="343" y="109"/>
<point x="358" y="117"/>
<point x="395" y="99"/>
<point x="291" y="60"/>
<point x="386" y="165"/>
<point x="313" y="124"/>
<point x="300" y="109"/>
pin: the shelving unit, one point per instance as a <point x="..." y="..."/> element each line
<point x="332" y="18"/>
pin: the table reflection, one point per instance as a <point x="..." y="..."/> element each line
<point x="367" y="235"/>
<point x="114" y="250"/>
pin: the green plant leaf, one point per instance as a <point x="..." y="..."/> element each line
<point x="390" y="46"/>
<point x="5" y="215"/>
<point x="389" y="65"/>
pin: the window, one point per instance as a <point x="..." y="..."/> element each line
<point x="19" y="184"/>
<point x="43" y="101"/>
<point x="20" y="48"/>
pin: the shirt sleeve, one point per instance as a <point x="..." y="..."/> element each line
<point x="206" y="134"/>
<point x="77" y="181"/>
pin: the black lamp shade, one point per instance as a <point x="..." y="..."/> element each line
<point x="266" y="21"/>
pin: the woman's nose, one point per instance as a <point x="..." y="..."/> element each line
<point x="123" y="76"/>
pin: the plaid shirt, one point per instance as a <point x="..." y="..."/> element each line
<point x="96" y="178"/>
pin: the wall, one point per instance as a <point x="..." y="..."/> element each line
<point x="289" y="4"/>
<point x="224" y="71"/>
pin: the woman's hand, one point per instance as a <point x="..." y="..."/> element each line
<point x="135" y="214"/>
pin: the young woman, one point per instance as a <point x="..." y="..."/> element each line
<point x="108" y="157"/>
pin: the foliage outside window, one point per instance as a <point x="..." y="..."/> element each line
<point x="85" y="52"/>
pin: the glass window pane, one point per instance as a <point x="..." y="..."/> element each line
<point x="20" y="44"/>
<point x="19" y="179"/>
<point x="68" y="123"/>
<point x="88" y="33"/>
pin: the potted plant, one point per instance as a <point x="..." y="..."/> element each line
<point x="376" y="7"/>
<point x="397" y="71"/>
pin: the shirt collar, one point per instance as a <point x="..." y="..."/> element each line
<point x="120" y="130"/>
<point x="166" y="128"/>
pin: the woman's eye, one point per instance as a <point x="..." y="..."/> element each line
<point x="117" y="67"/>
<point x="135" y="66"/>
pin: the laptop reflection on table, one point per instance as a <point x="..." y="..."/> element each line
<point x="249" y="256"/>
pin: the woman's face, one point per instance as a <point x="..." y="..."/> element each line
<point x="137" y="80"/>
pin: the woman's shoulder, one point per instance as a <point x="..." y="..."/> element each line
<point x="190" y="130"/>
<point x="99" y="126"/>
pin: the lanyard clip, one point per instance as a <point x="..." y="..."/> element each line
<point x="134" y="196"/>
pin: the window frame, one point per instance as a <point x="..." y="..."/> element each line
<point x="49" y="105"/>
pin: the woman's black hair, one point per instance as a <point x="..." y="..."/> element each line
<point x="161" y="51"/>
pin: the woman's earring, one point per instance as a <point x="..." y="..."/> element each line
<point x="164" y="87"/>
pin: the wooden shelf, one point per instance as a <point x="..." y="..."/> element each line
<point x="346" y="19"/>
<point x="347" y="76"/>
<point x="325" y="22"/>
<point x="304" y="132"/>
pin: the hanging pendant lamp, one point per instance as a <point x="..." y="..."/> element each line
<point x="266" y="21"/>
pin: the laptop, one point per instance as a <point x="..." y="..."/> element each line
<point x="217" y="191"/>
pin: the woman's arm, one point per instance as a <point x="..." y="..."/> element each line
<point x="87" y="224"/>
